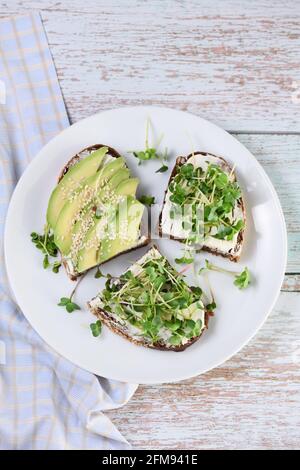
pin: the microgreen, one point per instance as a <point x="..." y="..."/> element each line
<point x="68" y="304"/>
<point x="46" y="263"/>
<point x="154" y="298"/>
<point x="188" y="254"/>
<point x="55" y="267"/>
<point x="147" y="200"/>
<point x="197" y="291"/>
<point x="148" y="154"/>
<point x="98" y="273"/>
<point x="96" y="328"/>
<point x="45" y="243"/>
<point x="241" y="280"/>
<point x="175" y="340"/>
<point x="184" y="260"/>
<point x="162" y="169"/>
<point x="211" y="307"/>
<point x="228" y="232"/>
<point x="212" y="196"/>
<point x="151" y="153"/>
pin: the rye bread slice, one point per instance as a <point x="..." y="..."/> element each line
<point x="75" y="159"/>
<point x="122" y="330"/>
<point x="235" y="253"/>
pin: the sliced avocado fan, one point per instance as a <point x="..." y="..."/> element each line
<point x="79" y="200"/>
<point x="71" y="181"/>
<point x="88" y="216"/>
<point x="104" y="229"/>
<point x="127" y="235"/>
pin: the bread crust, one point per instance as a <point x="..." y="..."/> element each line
<point x="117" y="328"/>
<point x="82" y="154"/>
<point x="181" y="161"/>
<point x="76" y="158"/>
<point x="74" y="277"/>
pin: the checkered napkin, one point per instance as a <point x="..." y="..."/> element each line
<point x="45" y="401"/>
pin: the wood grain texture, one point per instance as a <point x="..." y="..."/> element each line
<point x="235" y="63"/>
<point x="291" y="283"/>
<point x="250" y="402"/>
<point x="280" y="157"/>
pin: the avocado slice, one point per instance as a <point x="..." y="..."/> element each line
<point x="71" y="181"/>
<point x="79" y="200"/>
<point x="86" y="220"/>
<point x="84" y="223"/>
<point x="87" y="255"/>
<point x="108" y="192"/>
<point x="129" y="221"/>
<point x="111" y="167"/>
<point x="128" y="187"/>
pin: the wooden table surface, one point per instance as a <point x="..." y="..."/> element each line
<point x="236" y="63"/>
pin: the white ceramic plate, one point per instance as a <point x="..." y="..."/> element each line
<point x="240" y="313"/>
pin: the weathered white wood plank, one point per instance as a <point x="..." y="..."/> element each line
<point x="252" y="401"/>
<point x="234" y="62"/>
<point x="280" y="157"/>
<point x="291" y="283"/>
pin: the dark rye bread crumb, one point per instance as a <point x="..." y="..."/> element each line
<point x="226" y="167"/>
<point x="76" y="158"/>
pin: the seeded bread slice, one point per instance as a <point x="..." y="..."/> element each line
<point x="145" y="236"/>
<point x="124" y="329"/>
<point x="232" y="254"/>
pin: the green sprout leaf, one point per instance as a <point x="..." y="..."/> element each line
<point x="211" y="307"/>
<point x="175" y="340"/>
<point x="197" y="291"/>
<point x="55" y="267"/>
<point x="173" y="326"/>
<point x="64" y="301"/>
<point x="46" y="262"/>
<point x="71" y="306"/>
<point x="68" y="304"/>
<point x="242" y="280"/>
<point x="151" y="153"/>
<point x="147" y="200"/>
<point x="187" y="170"/>
<point x="98" y="274"/>
<point x="184" y="260"/>
<point x="162" y="169"/>
<point x="45" y="243"/>
<point x="148" y="154"/>
<point x="96" y="328"/>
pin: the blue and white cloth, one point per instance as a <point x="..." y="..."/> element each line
<point x="45" y="401"/>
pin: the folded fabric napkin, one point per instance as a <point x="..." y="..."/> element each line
<point x="46" y="402"/>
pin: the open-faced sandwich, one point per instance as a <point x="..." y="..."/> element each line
<point x="152" y="305"/>
<point x="203" y="205"/>
<point x="84" y="210"/>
